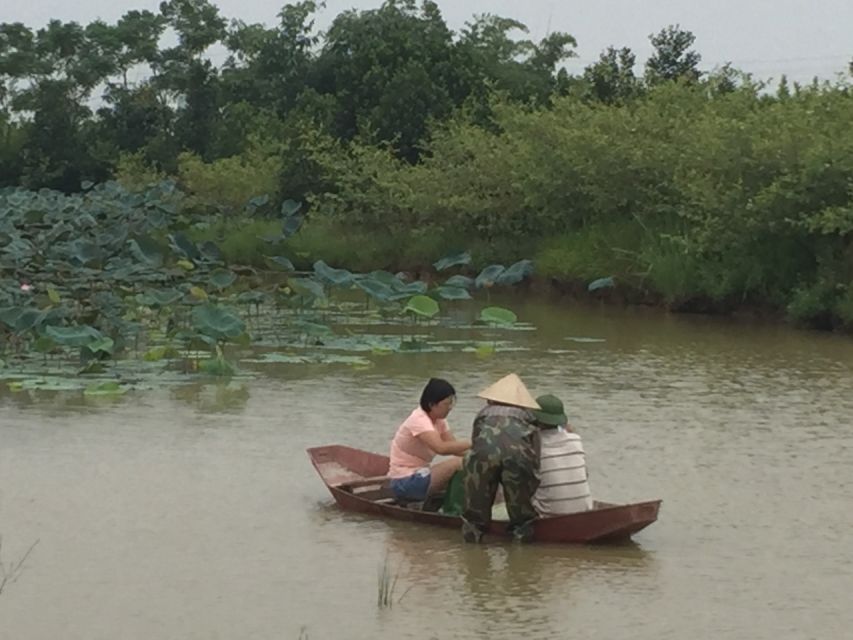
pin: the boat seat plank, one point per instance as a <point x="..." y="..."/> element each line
<point x="365" y="482"/>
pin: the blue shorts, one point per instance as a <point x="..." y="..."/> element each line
<point x="413" y="487"/>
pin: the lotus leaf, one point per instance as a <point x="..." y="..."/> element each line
<point x="422" y="306"/>
<point x="198" y="293"/>
<point x="110" y="388"/>
<point x="453" y="261"/>
<point x="453" y="293"/>
<point x="108" y="303"/>
<point x="257" y="202"/>
<point x="146" y="251"/>
<point x="44" y="344"/>
<point x="515" y="273"/>
<point x="601" y="283"/>
<point x="77" y="336"/>
<point x="386" y="278"/>
<point x="28" y="319"/>
<point x="165" y="297"/>
<point x="290" y="207"/>
<point x="44" y="384"/>
<point x="9" y="315"/>
<point x="19" y="249"/>
<point x="375" y="289"/>
<point x="498" y="316"/>
<point x="336" y="277"/>
<point x="217" y="366"/>
<point x="291" y="225"/>
<point x="183" y="246"/>
<point x="412" y="288"/>
<point x="292" y="217"/>
<point x="211" y="252"/>
<point x="217" y="322"/>
<point x="485" y="350"/>
<point x="222" y="278"/>
<point x="489" y="276"/>
<point x="308" y="286"/>
<point x="460" y="281"/>
<point x="280" y="262"/>
<point x="161" y="352"/>
<point x="102" y="345"/>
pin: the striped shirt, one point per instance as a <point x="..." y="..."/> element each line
<point x="563" y="486"/>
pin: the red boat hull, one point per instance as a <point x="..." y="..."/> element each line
<point x="355" y="478"/>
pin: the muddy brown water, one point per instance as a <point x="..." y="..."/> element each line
<point x="193" y="512"/>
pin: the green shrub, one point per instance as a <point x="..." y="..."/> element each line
<point x="812" y="305"/>
<point x="134" y="172"/>
<point x="844" y="307"/>
<point x="229" y="183"/>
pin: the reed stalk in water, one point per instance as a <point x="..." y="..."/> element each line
<point x="11" y="572"/>
<point x="387" y="585"/>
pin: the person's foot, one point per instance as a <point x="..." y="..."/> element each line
<point x="471" y="533"/>
<point x="523" y="533"/>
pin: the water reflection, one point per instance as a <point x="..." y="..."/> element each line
<point x="56" y="403"/>
<point x="218" y="397"/>
<point x="523" y="588"/>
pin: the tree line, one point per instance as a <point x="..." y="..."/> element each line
<point x="69" y="109"/>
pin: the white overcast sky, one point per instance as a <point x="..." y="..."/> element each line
<point x="800" y="38"/>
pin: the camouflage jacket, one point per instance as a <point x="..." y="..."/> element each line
<point x="501" y="430"/>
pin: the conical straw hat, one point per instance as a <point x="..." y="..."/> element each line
<point x="510" y="390"/>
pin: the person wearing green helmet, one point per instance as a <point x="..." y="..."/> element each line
<point x="563" y="480"/>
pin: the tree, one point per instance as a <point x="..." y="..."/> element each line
<point x="48" y="77"/>
<point x="186" y="78"/>
<point x="611" y="80"/>
<point x="271" y="67"/>
<point x="673" y="59"/>
<point x="522" y="69"/>
<point x="392" y="70"/>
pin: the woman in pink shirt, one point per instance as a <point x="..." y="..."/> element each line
<point x="422" y="436"/>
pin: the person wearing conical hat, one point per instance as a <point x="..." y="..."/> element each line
<point x="563" y="483"/>
<point x="503" y="452"/>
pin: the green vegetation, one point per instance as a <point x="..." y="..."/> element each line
<point x="107" y="291"/>
<point x="391" y="141"/>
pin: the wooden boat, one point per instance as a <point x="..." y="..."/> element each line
<point x="357" y="481"/>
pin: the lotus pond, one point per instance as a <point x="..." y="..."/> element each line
<point x="105" y="291"/>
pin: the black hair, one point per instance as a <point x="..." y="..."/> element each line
<point x="434" y="392"/>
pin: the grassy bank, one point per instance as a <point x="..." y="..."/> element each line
<point x="647" y="268"/>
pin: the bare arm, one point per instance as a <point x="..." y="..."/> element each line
<point x="444" y="447"/>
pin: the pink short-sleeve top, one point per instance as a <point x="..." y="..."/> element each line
<point x="408" y="453"/>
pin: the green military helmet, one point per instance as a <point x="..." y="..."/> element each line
<point x="552" y="412"/>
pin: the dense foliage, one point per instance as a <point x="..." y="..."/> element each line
<point x="107" y="289"/>
<point x="705" y="191"/>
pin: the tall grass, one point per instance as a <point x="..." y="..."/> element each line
<point x="386" y="585"/>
